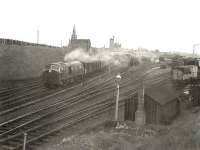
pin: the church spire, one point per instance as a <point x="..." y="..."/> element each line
<point x="74" y="36"/>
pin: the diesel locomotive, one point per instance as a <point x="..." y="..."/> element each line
<point x="62" y="73"/>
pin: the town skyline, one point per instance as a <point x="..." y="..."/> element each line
<point x="167" y="26"/>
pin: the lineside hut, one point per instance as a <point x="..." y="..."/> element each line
<point x="161" y="104"/>
<point x="195" y="88"/>
<point x="131" y="104"/>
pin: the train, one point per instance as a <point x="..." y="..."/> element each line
<point x="62" y="73"/>
<point x="185" y="70"/>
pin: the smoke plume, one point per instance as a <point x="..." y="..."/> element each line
<point x="110" y="57"/>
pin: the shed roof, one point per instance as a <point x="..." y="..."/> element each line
<point x="163" y="93"/>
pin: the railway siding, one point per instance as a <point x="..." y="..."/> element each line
<point x="93" y="99"/>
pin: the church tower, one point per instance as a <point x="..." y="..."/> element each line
<point x="74" y="36"/>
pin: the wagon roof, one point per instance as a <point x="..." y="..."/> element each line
<point x="163" y="93"/>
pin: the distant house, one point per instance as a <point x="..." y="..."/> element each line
<point x="161" y="104"/>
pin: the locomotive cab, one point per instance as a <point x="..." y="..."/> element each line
<point x="51" y="75"/>
<point x="60" y="73"/>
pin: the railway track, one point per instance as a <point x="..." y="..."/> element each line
<point x="20" y="92"/>
<point x="58" y="96"/>
<point x="7" y="93"/>
<point x="10" y="101"/>
<point x="58" y="92"/>
<point x="12" y="131"/>
<point x="19" y="83"/>
<point x="63" y="106"/>
<point x="56" y="123"/>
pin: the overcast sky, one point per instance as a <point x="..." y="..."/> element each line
<point x="168" y="25"/>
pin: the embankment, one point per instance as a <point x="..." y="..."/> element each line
<point x="18" y="62"/>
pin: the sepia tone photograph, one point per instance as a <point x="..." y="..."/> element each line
<point x="100" y="75"/>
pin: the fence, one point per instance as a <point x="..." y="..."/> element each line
<point x="22" y="43"/>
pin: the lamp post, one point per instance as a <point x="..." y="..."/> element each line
<point x="117" y="80"/>
<point x="25" y="138"/>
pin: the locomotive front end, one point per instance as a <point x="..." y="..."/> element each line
<point x="51" y="75"/>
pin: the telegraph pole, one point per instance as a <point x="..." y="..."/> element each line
<point x="194" y="46"/>
<point x="38" y="36"/>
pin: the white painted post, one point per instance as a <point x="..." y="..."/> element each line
<point x="118" y="78"/>
<point x="38" y="36"/>
<point x="117" y="104"/>
<point x="25" y="138"/>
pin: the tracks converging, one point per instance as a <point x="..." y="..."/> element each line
<point x="22" y="90"/>
<point x="48" y="115"/>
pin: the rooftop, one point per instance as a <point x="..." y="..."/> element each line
<point x="163" y="93"/>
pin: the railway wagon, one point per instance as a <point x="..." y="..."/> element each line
<point x="184" y="74"/>
<point x="94" y="66"/>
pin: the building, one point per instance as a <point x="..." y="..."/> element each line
<point x="74" y="36"/>
<point x="75" y="43"/>
<point x="195" y="94"/>
<point x="113" y="44"/>
<point x="161" y="104"/>
<point x="84" y="44"/>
